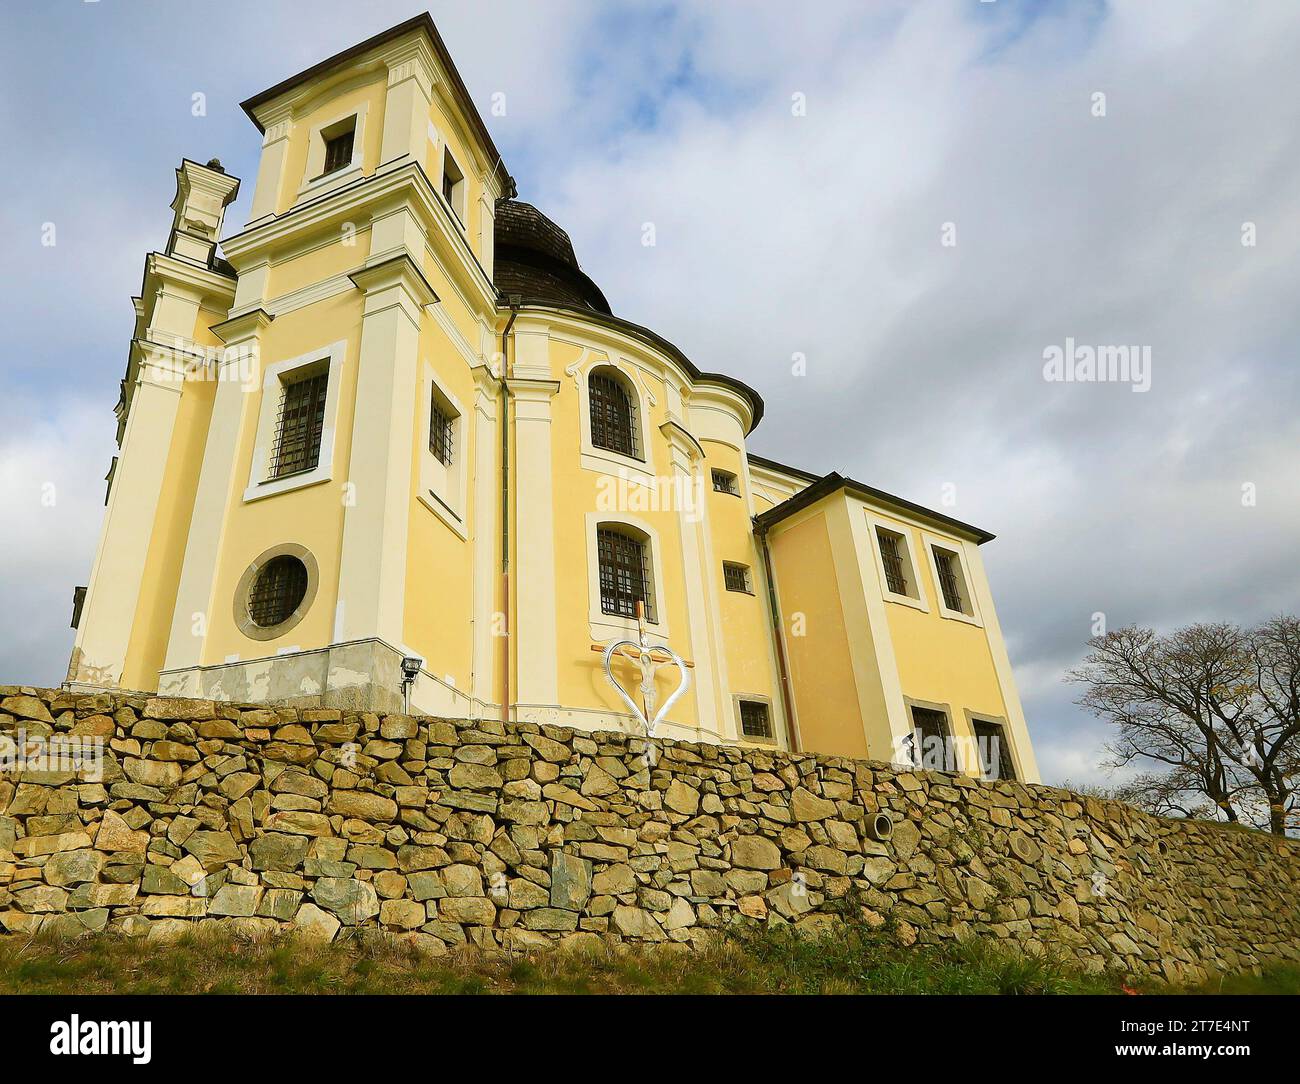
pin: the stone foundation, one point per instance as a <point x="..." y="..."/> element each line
<point x="519" y="836"/>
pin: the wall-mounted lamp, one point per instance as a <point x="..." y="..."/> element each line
<point x="410" y="671"/>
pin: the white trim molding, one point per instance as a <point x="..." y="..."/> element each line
<point x="442" y="487"/>
<point x="606" y="627"/>
<point x="964" y="584"/>
<point x="313" y="181"/>
<point x="259" y="483"/>
<point x="920" y="600"/>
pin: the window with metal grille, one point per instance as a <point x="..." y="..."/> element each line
<point x="736" y="577"/>
<point x="277" y="591"/>
<point x="994" y="747"/>
<point x="725" y="482"/>
<point x="946" y="562"/>
<point x="613" y="415"/>
<point x="440" y="421"/>
<point x="299" y="425"/>
<point x="893" y="561"/>
<point x="928" y="725"/>
<point x="624" y="574"/>
<point x="755" y="721"/>
<point x="338" y="150"/>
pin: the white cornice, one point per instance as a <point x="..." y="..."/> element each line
<point x="406" y="184"/>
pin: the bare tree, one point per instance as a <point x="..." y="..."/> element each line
<point x="1217" y="706"/>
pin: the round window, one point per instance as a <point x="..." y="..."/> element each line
<point x="277" y="591"/>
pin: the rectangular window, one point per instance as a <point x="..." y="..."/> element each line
<point x="994" y="749"/>
<point x="624" y="574"/>
<point x="453" y="185"/>
<point x="950" y="580"/>
<point x="440" y="423"/>
<point x="299" y="426"/>
<point x="755" y="721"/>
<point x="725" y="482"/>
<point x="338" y="150"/>
<point x="736" y="577"/>
<point x="892" y="559"/>
<point x="931" y="748"/>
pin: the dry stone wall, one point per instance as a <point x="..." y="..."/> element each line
<point x="515" y="836"/>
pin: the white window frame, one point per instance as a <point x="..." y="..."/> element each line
<point x="606" y="627"/>
<point x="442" y="488"/>
<point x="921" y="601"/>
<point x="749" y="578"/>
<point x="603" y="460"/>
<point x="313" y="183"/>
<point x="758" y="698"/>
<point x="929" y="541"/>
<point x="260" y="484"/>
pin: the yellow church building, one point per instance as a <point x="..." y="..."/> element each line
<point x="394" y="420"/>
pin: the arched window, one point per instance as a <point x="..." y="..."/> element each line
<point x="613" y="413"/>
<point x="625" y="576"/>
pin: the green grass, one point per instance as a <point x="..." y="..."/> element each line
<point x="753" y="961"/>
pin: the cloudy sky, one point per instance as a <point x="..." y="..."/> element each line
<point x="806" y="169"/>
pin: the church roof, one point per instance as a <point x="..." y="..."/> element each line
<point x="533" y="259"/>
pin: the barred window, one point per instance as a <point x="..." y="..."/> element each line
<point x="338" y="150"/>
<point x="946" y="562"/>
<point x="725" y="482"/>
<point x="755" y="721"/>
<point x="928" y="725"/>
<point x="277" y="591"/>
<point x="299" y="426"/>
<point x="440" y="422"/>
<point x="736" y="577"/>
<point x="613" y="415"/>
<point x="893" y="561"/>
<point x="994" y="747"/>
<point x="624" y="574"/>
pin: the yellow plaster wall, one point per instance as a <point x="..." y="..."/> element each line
<point x="312" y="516"/>
<point x="939" y="659"/>
<point x="821" y="667"/>
<point x="370" y="91"/>
<point x="581" y="679"/>
<point x="745" y="620"/>
<point x="439" y="600"/>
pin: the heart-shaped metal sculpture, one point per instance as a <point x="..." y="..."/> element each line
<point x="649" y="658"/>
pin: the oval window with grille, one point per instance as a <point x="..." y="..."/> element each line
<point x="277" y="591"/>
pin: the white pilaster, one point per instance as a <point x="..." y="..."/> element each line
<point x="372" y="575"/>
<point x="487" y="504"/>
<point x="270" y="169"/>
<point x="108" y="614"/>
<point x="687" y="463"/>
<point x="238" y="379"/>
<point x="534" y="543"/>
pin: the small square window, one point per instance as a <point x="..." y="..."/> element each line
<point x="725" y="482"/>
<point x="736" y="577"/>
<point x="931" y="748"/>
<point x="755" y="720"/>
<point x="338" y="149"/>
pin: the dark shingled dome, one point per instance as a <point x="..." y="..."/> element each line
<point x="533" y="259"/>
